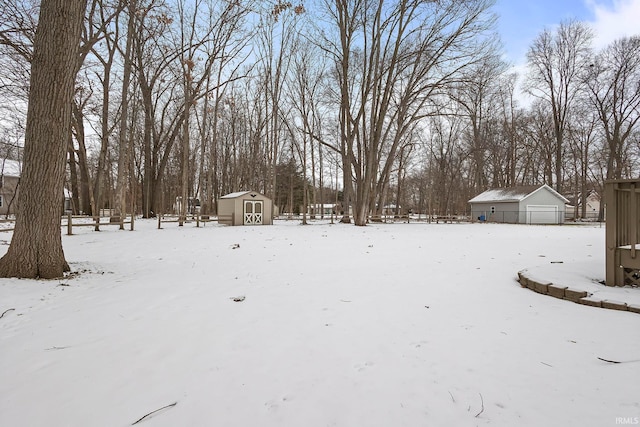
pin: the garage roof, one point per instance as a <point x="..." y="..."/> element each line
<point x="513" y="194"/>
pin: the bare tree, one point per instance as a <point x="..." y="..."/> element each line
<point x="557" y="61"/>
<point x="225" y="47"/>
<point x="613" y="85"/>
<point x="188" y="34"/>
<point x="304" y="90"/>
<point x="582" y="135"/>
<point x="154" y="57"/>
<point x="84" y="190"/>
<point x="103" y="14"/>
<point x="124" y="147"/>
<point x="477" y="94"/>
<point x="445" y="161"/>
<point x="53" y="70"/>
<point x="404" y="54"/>
<point x="542" y="144"/>
<point x="17" y="31"/>
<point x="276" y="35"/>
<point x="510" y="117"/>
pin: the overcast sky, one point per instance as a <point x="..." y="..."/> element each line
<point x="520" y="21"/>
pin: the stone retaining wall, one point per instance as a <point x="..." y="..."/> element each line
<point x="575" y="295"/>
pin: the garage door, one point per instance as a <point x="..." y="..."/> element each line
<point x="542" y="214"/>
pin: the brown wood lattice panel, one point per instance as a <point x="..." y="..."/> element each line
<point x="632" y="277"/>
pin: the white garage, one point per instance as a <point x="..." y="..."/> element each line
<point x="542" y="214"/>
<point x="538" y="204"/>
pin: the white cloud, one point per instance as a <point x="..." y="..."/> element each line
<point x="614" y="21"/>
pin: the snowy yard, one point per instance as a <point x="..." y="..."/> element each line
<point x="323" y="325"/>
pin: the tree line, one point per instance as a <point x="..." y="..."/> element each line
<point x="404" y="103"/>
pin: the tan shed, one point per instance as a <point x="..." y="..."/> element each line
<point x="245" y="208"/>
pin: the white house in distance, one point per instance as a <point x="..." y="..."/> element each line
<point x="325" y="209"/>
<point x="592" y="208"/>
<point x="10" y="171"/>
<point x="538" y="204"/>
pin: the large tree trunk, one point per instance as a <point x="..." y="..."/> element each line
<point x="147" y="178"/>
<point x="73" y="172"/>
<point x="36" y="246"/>
<point x="186" y="144"/>
<point x="84" y="191"/>
<point x="123" y="138"/>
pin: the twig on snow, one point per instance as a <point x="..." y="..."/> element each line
<point x="482" y="403"/>
<point x="618" y="361"/>
<point x="6" y="311"/>
<point x="454" y="400"/>
<point x="154" y="412"/>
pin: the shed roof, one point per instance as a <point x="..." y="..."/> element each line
<point x="234" y="195"/>
<point x="513" y="194"/>
<point x="10" y="167"/>
<point x="242" y="193"/>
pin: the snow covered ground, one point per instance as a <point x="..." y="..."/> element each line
<point x="320" y="325"/>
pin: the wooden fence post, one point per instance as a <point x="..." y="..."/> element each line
<point x="69" y="225"/>
<point x="610" y="235"/>
<point x="633" y="219"/>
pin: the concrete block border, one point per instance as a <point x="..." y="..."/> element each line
<point x="575" y="295"/>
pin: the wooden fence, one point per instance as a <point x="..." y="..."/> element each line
<point x="622" y="199"/>
<point x="97" y="222"/>
<point x="197" y="218"/>
<point x="70" y="221"/>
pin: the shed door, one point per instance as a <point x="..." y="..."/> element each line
<point x="542" y="214"/>
<point x="252" y="212"/>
